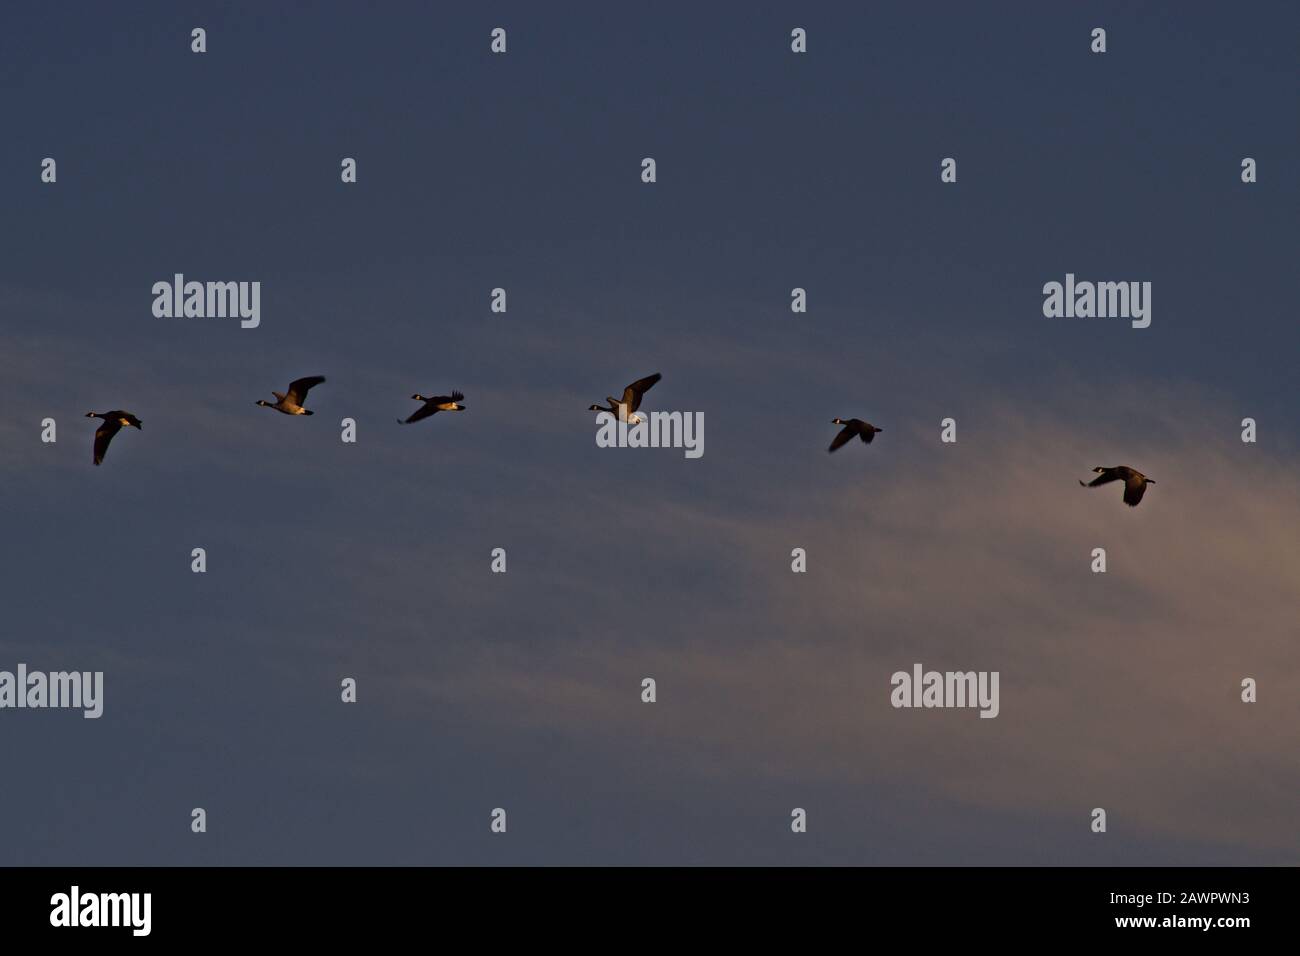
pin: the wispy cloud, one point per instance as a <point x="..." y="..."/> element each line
<point x="1119" y="690"/>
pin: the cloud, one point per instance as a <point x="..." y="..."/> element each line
<point x="1119" y="690"/>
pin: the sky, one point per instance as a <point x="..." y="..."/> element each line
<point x="522" y="690"/>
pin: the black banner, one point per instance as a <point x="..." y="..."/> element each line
<point x="191" y="905"/>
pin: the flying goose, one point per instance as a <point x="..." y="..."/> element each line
<point x="853" y="427"/>
<point x="1135" y="483"/>
<point x="432" y="406"/>
<point x="291" y="403"/>
<point x="113" y="422"/>
<point x="631" y="398"/>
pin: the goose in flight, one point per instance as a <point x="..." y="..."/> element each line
<point x="1135" y="483"/>
<point x="113" y="422"/>
<point x="853" y="427"/>
<point x="291" y="402"/>
<point x="432" y="406"/>
<point x="631" y="399"/>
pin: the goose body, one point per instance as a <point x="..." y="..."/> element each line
<point x="631" y="400"/>
<point x="853" y="427"/>
<point x="1135" y="483"/>
<point x="291" y="402"/>
<point x="434" y="405"/>
<point x="113" y="422"/>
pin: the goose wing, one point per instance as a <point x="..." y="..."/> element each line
<point x="632" y="394"/>
<point x="103" y="435"/>
<point x="1106" y="476"/>
<point x="843" y="438"/>
<point x="424" y="411"/>
<point x="867" y="432"/>
<point x="1134" y="488"/>
<point x="299" y="387"/>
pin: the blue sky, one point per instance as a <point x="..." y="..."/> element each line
<point x="521" y="690"/>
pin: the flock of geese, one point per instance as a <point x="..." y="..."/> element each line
<point x="291" y="403"/>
